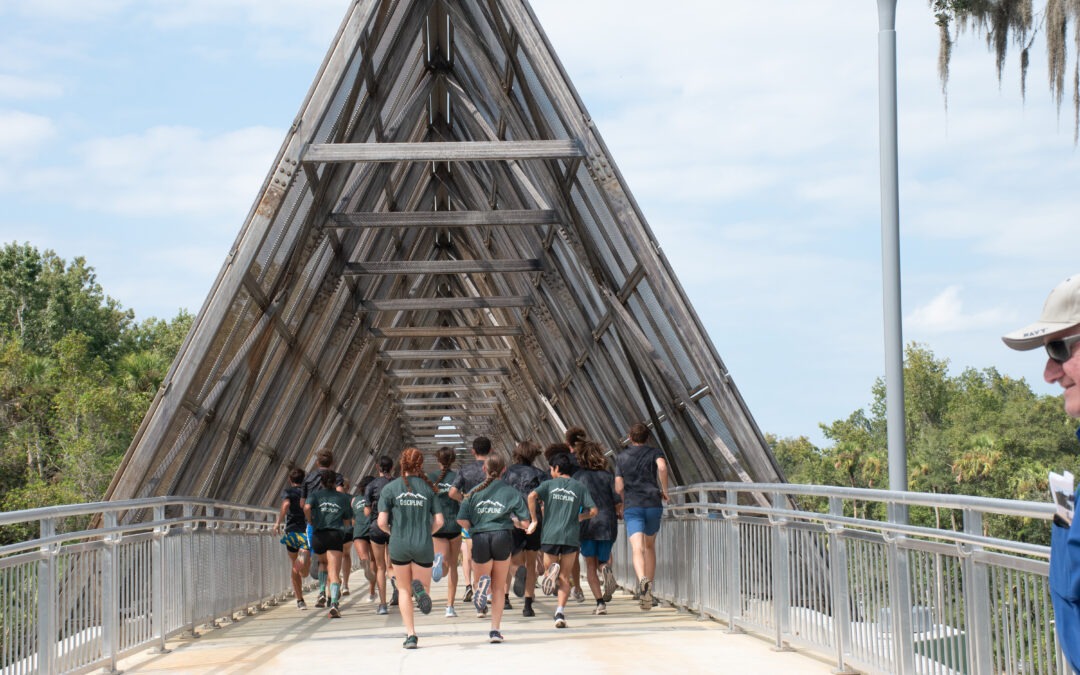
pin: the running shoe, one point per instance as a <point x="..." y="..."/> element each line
<point x="451" y="613"/>
<point x="601" y="608"/>
<point x="560" y="620"/>
<point x="576" y="594"/>
<point x="394" y="595"/>
<point x="495" y="637"/>
<point x="528" y="611"/>
<point x="321" y="602"/>
<point x="423" y="600"/>
<point x="506" y="602"/>
<point x="480" y="598"/>
<point x="519" y="581"/>
<point x="381" y="610"/>
<point x="410" y="642"/>
<point x="646" y="601"/>
<point x="372" y="597"/>
<point x="436" y="568"/>
<point x="344" y="591"/>
<point x="549" y="584"/>
<point x="301" y="605"/>
<point x="335" y="613"/>
<point x="468" y="593"/>
<point x="610" y="583"/>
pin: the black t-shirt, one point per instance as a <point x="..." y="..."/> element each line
<point x="371" y="495"/>
<point x="313" y="482"/>
<point x="470" y="476"/>
<point x="636" y="465"/>
<point x="603" y="526"/>
<point x="524" y="478"/>
<point x="294" y="515"/>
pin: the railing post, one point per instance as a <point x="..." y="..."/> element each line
<point x="702" y="522"/>
<point x="213" y="567"/>
<point x="977" y="603"/>
<point x="110" y="595"/>
<point x="46" y="600"/>
<point x="781" y="581"/>
<point x="841" y="585"/>
<point x="188" y="574"/>
<point x="900" y="594"/>
<point x="157" y="579"/>
<point x="731" y="558"/>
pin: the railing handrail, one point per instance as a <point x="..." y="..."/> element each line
<point x="69" y="510"/>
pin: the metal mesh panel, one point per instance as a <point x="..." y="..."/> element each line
<point x="78" y="608"/>
<point x="18" y="615"/>
<point x="868" y="576"/>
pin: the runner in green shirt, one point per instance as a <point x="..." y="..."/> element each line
<point x="490" y="511"/>
<point x="447" y="541"/>
<point x="567" y="502"/>
<point x="329" y="513"/>
<point x="409" y="503"/>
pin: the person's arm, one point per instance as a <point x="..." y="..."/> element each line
<point x="585" y="515"/>
<point x="307" y="513"/>
<point x="661" y="471"/>
<point x="437" y="523"/>
<point x="384" y="521"/>
<point x="532" y="513"/>
<point x="455" y="493"/>
<point x="279" y="522"/>
<point x="619" y="486"/>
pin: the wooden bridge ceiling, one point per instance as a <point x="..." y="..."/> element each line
<point x="443" y="248"/>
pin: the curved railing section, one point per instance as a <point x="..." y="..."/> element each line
<point x="90" y="583"/>
<point x="873" y="593"/>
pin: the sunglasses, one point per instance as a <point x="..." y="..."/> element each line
<point x="1061" y="350"/>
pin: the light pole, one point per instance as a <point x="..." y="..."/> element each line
<point x="890" y="246"/>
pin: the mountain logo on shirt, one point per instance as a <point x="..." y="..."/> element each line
<point x="562" y="494"/>
<point x="490" y="506"/>
<point x="411" y="499"/>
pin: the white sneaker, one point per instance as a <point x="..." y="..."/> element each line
<point x="450" y="613"/>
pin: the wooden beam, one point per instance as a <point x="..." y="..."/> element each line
<point x="443" y="266"/>
<point x="417" y="354"/>
<point x="392" y="332"/>
<point x="405" y="373"/>
<point x="442" y="401"/>
<point x="437" y="304"/>
<point x="447" y="388"/>
<point x="478" y="412"/>
<point x="452" y="151"/>
<point x="445" y="218"/>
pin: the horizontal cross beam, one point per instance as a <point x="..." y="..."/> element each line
<point x="441" y="151"/>
<point x="434" y="304"/>
<point x="446" y="331"/>
<point x="443" y="266"/>
<point x="447" y="388"/>
<point x="444" y="218"/>
<point x="416" y="354"/>
<point x="405" y="373"/>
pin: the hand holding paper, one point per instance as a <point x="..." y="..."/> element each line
<point x="1062" y="492"/>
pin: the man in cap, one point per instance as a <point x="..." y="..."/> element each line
<point x="1058" y="331"/>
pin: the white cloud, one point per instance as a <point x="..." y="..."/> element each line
<point x="21" y="133"/>
<point x="945" y="313"/>
<point x="22" y="88"/>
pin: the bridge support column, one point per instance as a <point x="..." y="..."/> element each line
<point x="188" y="573"/>
<point x="157" y="580"/>
<point x="781" y="578"/>
<point x="46" y="600"/>
<point x="110" y="596"/>
<point x="977" y="603"/>
<point x="841" y="595"/>
<point x="731" y="563"/>
<point x="900" y="595"/>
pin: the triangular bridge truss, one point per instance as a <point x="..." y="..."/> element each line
<point x="443" y="248"/>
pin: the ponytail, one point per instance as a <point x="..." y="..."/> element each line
<point x="493" y="467"/>
<point x="412" y="463"/>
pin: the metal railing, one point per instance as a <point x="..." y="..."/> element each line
<point x="874" y="594"/>
<point x="95" y="582"/>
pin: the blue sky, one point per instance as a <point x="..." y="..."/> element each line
<point x="136" y="133"/>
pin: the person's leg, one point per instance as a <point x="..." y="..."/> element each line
<point x="403" y="574"/>
<point x="323" y="575"/>
<point x="378" y="559"/>
<point x="467" y="567"/>
<point x="500" y="572"/>
<point x="420" y="587"/>
<point x="333" y="560"/>
<point x="391" y="573"/>
<point x="297" y="580"/>
<point x="649" y="556"/>
<point x="575" y="579"/>
<point x="346" y="568"/>
<point x="454" y="552"/>
<point x="481" y="570"/>
<point x="442" y="553"/>
<point x="566" y="565"/>
<point x="592" y="566"/>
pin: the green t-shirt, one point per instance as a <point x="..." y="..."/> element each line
<point x="445" y="505"/>
<point x="412" y="507"/>
<point x="490" y="509"/>
<point x="564" y="499"/>
<point x="329" y="509"/>
<point x="361" y="523"/>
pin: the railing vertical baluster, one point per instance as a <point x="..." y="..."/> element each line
<point x="977" y="602"/>
<point x="110" y="596"/>
<point x="46" y="600"/>
<point x="900" y="595"/>
<point x="157" y="579"/>
<point x="188" y="573"/>
<point x="702" y="543"/>
<point x="841" y="590"/>
<point x="781" y="580"/>
<point x="731" y="571"/>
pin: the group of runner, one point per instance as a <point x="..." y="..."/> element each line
<point x="510" y="525"/>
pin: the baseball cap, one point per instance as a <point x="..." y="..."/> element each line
<point x="1060" y="313"/>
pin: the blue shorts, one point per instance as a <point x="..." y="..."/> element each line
<point x="597" y="548"/>
<point x="642" y="519"/>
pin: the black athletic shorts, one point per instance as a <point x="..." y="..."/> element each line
<point x="526" y="542"/>
<point x="410" y="562"/>
<point x="348" y="538"/>
<point x="446" y="535"/>
<point x="378" y="537"/>
<point x="494" y="545"/>
<point x="558" y="549"/>
<point x="327" y="540"/>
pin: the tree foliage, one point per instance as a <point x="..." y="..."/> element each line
<point x="1016" y="24"/>
<point x="77" y="374"/>
<point x="976" y="433"/>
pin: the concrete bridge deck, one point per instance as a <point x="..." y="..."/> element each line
<point x="626" y="640"/>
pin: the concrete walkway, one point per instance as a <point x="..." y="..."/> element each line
<point x="627" y="640"/>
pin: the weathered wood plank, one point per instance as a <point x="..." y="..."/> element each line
<point x="440" y="304"/>
<point x="516" y="217"/>
<point x="443" y="266"/>
<point x="461" y="151"/>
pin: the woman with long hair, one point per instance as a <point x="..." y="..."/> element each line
<point x="598" y="533"/>
<point x="329" y="513"/>
<point x="408" y="513"/>
<point x="447" y="541"/>
<point x="362" y="536"/>
<point x="491" y="511"/>
<point x="378" y="538"/>
<point x="525" y="477"/>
